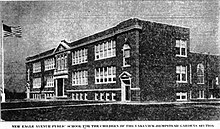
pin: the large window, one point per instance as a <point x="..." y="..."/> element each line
<point x="105" y="50"/>
<point x="126" y="55"/>
<point x="79" y="56"/>
<point x="50" y="81"/>
<point x="37" y="83"/>
<point x="61" y="61"/>
<point x="181" y="73"/>
<point x="49" y="64"/>
<point x="37" y="67"/>
<point x="105" y="75"/>
<point x="181" y="48"/>
<point x="80" y="78"/>
<point x="200" y="74"/>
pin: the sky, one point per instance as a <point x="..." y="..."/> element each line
<point x="44" y="24"/>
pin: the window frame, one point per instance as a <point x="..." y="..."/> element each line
<point x="181" y="74"/>
<point x="181" y="94"/>
<point x="105" y="49"/>
<point x="37" y="67"/>
<point x="37" y="82"/>
<point x="79" y="78"/>
<point x="79" y="56"/>
<point x="126" y="47"/>
<point x="50" y="81"/>
<point x="49" y="64"/>
<point x="201" y="67"/>
<point x="105" y="75"/>
<point x="181" y="44"/>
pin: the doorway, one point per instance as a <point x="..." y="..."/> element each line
<point x="126" y="89"/>
<point x="60" y="87"/>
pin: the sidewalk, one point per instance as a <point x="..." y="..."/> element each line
<point x="151" y="103"/>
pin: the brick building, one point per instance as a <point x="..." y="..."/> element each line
<point x="134" y="61"/>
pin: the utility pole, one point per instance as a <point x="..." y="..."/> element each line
<point x="3" y="83"/>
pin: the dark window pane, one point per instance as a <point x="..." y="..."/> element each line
<point x="177" y="50"/>
<point x="183" y="77"/>
<point x="178" y="77"/>
<point x="183" y="97"/>
<point x="177" y="97"/>
<point x="183" y="52"/>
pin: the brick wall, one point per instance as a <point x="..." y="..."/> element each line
<point x="158" y="60"/>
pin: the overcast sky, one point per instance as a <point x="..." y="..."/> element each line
<point x="45" y="24"/>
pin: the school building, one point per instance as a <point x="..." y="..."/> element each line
<point x="135" y="60"/>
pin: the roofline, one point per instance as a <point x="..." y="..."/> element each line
<point x="136" y="26"/>
<point x="175" y="25"/>
<point x="62" y="43"/>
<point x="40" y="53"/>
<point x="204" y="53"/>
<point x="115" y="32"/>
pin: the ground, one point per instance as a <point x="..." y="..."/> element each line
<point x="86" y="111"/>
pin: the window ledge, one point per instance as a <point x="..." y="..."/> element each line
<point x="105" y="82"/>
<point x="181" y="81"/>
<point x="200" y="83"/>
<point x="80" y="63"/>
<point x="49" y="69"/>
<point x="126" y="66"/>
<point x="48" y="86"/>
<point x="200" y="98"/>
<point x="105" y="58"/>
<point x="80" y="85"/>
<point x="36" y="87"/>
<point x="37" y="72"/>
<point x="181" y="55"/>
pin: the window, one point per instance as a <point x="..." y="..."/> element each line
<point x="181" y="96"/>
<point x="79" y="56"/>
<point x="105" y="75"/>
<point x="49" y="64"/>
<point x="37" y="67"/>
<point x="37" y="83"/>
<point x="201" y="94"/>
<point x="181" y="48"/>
<point x="80" y="78"/>
<point x="190" y="74"/>
<point x="216" y="81"/>
<point x="211" y="84"/>
<point x="181" y="73"/>
<point x="61" y="61"/>
<point x="50" y="81"/>
<point x="28" y="75"/>
<point x="200" y="74"/>
<point x="105" y="50"/>
<point x="126" y="55"/>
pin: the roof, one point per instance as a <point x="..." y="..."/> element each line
<point x="48" y="52"/>
<point x="122" y="25"/>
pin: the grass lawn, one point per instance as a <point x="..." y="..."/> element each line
<point x="117" y="112"/>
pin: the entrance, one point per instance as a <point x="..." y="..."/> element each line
<point x="126" y="89"/>
<point x="60" y="87"/>
<point x="127" y="93"/>
<point x="125" y="78"/>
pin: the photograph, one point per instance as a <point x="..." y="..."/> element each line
<point x="142" y="63"/>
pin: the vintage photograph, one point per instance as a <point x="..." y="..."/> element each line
<point x="114" y="60"/>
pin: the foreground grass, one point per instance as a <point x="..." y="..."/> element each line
<point x="116" y="112"/>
